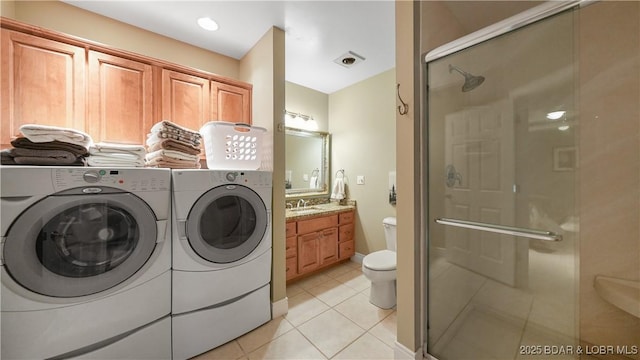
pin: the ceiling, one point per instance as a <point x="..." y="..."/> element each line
<point x="316" y="32"/>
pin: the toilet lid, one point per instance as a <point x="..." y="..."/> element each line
<point x="380" y="260"/>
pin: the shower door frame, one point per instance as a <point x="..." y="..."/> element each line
<point x="523" y="19"/>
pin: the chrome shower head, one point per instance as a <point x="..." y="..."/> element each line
<point x="470" y="81"/>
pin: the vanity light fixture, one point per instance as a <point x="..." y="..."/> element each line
<point x="299" y="121"/>
<point x="208" y="23"/>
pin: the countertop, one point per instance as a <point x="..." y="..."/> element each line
<point x="316" y="210"/>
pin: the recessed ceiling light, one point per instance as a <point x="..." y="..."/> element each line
<point x="208" y="23"/>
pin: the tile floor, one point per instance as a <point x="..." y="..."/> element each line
<point x="329" y="317"/>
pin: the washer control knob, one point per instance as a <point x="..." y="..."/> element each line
<point x="91" y="177"/>
<point x="231" y="176"/>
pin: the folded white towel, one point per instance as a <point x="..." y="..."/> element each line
<point x="115" y="161"/>
<point x="119" y="156"/>
<point x="171" y="154"/>
<point x="108" y="148"/>
<point x="338" y="189"/>
<point x="45" y="133"/>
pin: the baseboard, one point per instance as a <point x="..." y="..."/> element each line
<point x="279" y="308"/>
<point x="357" y="258"/>
<point x="402" y="352"/>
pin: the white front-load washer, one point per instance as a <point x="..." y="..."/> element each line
<point x="221" y="268"/>
<point x="85" y="261"/>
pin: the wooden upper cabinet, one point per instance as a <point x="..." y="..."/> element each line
<point x="120" y="99"/>
<point x="43" y="82"/>
<point x="185" y="99"/>
<point x="230" y="103"/>
<point x="51" y="78"/>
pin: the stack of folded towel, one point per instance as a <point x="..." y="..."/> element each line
<point x="116" y="155"/>
<point x="48" y="145"/>
<point x="172" y="146"/>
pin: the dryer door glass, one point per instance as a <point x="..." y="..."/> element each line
<point x="76" y="245"/>
<point x="227" y="223"/>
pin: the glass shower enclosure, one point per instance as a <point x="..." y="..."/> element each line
<point x="532" y="144"/>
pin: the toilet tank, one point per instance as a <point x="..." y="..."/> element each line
<point x="389" y="224"/>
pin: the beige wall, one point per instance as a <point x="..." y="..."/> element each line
<point x="56" y="15"/>
<point x="608" y="36"/>
<point x="7" y="8"/>
<point x="263" y="66"/>
<point x="362" y="126"/>
<point x="310" y="102"/>
<point x="408" y="181"/>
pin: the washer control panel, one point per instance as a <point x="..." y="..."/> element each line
<point x="130" y="179"/>
<point x="248" y="178"/>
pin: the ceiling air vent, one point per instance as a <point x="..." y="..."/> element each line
<point x="349" y="59"/>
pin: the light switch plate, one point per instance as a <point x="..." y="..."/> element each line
<point x="360" y="179"/>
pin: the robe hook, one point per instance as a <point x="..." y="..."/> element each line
<point x="404" y="108"/>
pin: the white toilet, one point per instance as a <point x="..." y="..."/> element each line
<point x="380" y="268"/>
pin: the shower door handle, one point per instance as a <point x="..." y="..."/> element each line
<point x="501" y="229"/>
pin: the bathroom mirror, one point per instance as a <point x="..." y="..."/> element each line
<point x="306" y="163"/>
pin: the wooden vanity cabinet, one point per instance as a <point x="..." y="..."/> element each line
<point x="291" y="249"/>
<point x="346" y="241"/>
<point x="320" y="241"/>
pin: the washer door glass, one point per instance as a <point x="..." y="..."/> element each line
<point x="87" y="240"/>
<point x="80" y="244"/>
<point x="227" y="223"/>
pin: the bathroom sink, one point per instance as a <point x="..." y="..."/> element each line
<point x="304" y="210"/>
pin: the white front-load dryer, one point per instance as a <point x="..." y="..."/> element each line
<point x="221" y="266"/>
<point x="86" y="260"/>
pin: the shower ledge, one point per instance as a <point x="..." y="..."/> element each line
<point x="624" y="294"/>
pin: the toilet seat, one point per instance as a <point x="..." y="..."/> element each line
<point x="383" y="260"/>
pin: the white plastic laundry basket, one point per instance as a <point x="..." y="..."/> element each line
<point x="230" y="146"/>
